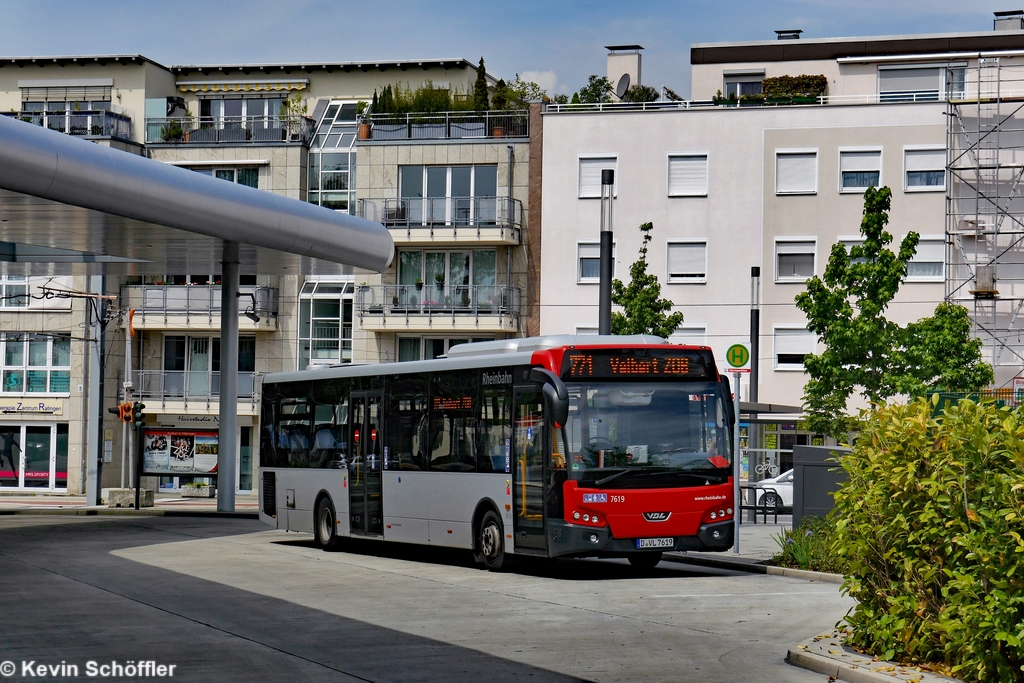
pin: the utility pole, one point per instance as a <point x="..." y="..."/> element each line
<point x="605" y="302"/>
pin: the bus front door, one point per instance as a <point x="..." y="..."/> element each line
<point x="528" y="470"/>
<point x="366" y="513"/>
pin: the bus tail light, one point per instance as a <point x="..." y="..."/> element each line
<point x="718" y="514"/>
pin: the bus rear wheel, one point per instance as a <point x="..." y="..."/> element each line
<point x="645" y="561"/>
<point x="490" y="548"/>
<point x="325" y="529"/>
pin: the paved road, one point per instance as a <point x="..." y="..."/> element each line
<point x="228" y="600"/>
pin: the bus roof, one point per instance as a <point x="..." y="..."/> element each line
<point x="471" y="355"/>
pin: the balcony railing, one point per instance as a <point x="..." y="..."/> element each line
<point x="456" y="125"/>
<point x="93" y="123"/>
<point x="229" y="130"/>
<point x="201" y="301"/>
<point x="191" y="387"/>
<point x="457" y="218"/>
<point x="438" y="300"/>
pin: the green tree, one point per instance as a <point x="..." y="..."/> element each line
<point x="643" y="309"/>
<point x="598" y="89"/>
<point x="640" y="93"/>
<point x="500" y="95"/>
<point x="575" y="98"/>
<point x="865" y="352"/>
<point x="480" y="102"/>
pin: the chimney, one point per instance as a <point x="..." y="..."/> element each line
<point x="1010" y="20"/>
<point x="624" y="64"/>
<point x="789" y="34"/>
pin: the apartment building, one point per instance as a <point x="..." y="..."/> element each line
<point x="285" y="128"/>
<point x="734" y="180"/>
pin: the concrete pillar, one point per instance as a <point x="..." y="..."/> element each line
<point x="227" y="439"/>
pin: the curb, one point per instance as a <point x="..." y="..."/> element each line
<point x="130" y="512"/>
<point x="754" y="567"/>
<point x="833" y="669"/>
<point x="826" y="654"/>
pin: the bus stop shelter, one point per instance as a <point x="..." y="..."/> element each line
<point x="72" y="207"/>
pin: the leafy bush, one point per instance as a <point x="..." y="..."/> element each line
<point x="806" y="85"/>
<point x="810" y="547"/>
<point x="929" y="520"/>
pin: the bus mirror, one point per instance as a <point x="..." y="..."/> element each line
<point x="730" y="407"/>
<point x="555" y="394"/>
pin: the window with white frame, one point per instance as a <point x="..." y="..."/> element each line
<point x="428" y="348"/>
<point x="36" y="363"/>
<point x="796" y="172"/>
<point x="792" y="344"/>
<point x="588" y="260"/>
<point x="325" y="323"/>
<point x="928" y="263"/>
<point x="687" y="262"/>
<point x="13" y="291"/>
<point x="692" y="335"/>
<point x="590" y="175"/>
<point x="924" y="169"/>
<point x="688" y="175"/>
<point x="794" y="260"/>
<point x="859" y="169"/>
<point x="250" y="177"/>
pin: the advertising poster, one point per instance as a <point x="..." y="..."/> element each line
<point x="156" y="450"/>
<point x="175" y="451"/>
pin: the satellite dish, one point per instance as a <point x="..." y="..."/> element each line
<point x="622" y="86"/>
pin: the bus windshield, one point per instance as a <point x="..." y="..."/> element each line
<point x="647" y="435"/>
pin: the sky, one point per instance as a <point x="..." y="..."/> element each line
<point x="556" y="43"/>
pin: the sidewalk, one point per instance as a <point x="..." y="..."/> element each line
<point x="48" y="503"/>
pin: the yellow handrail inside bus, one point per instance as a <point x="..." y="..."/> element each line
<point x="522" y="486"/>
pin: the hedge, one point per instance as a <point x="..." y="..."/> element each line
<point x="929" y="521"/>
<point x="806" y="85"/>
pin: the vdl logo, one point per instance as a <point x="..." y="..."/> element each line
<point x="657" y="516"/>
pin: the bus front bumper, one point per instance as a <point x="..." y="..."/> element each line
<point x="573" y="540"/>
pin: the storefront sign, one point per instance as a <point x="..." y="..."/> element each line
<point x="198" y="419"/>
<point x="176" y="451"/>
<point x="44" y="407"/>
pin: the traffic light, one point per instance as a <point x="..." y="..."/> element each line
<point x="123" y="411"/>
<point x="136" y="414"/>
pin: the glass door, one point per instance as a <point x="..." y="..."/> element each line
<point x="10" y="457"/>
<point x="37" y="456"/>
<point x="366" y="515"/>
<point x="528" y="471"/>
<point x="199" y="366"/>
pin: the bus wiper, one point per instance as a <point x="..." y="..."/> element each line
<point x="607" y="479"/>
<point x="668" y="470"/>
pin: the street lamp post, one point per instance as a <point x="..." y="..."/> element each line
<point x="605" y="302"/>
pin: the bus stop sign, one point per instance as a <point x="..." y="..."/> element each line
<point x="738" y="355"/>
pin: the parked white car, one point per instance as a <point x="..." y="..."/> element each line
<point x="779" y="491"/>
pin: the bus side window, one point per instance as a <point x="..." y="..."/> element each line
<point x="293" y="432"/>
<point x="494" y="429"/>
<point x="405" y="430"/>
<point x="454" y="397"/>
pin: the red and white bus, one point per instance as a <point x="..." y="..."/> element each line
<point x="556" y="446"/>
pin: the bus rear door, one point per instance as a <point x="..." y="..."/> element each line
<point x="364" y="467"/>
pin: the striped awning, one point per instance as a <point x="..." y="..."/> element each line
<point x="242" y="86"/>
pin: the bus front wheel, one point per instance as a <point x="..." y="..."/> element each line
<point x="325" y="530"/>
<point x="489" y="543"/>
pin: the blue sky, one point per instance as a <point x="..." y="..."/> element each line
<point x="558" y="43"/>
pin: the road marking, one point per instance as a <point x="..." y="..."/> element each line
<point x="737" y="595"/>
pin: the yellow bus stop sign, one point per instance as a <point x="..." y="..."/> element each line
<point x="738" y="355"/>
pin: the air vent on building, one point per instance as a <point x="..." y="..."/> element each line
<point x="789" y="34"/>
<point x="1010" y="20"/>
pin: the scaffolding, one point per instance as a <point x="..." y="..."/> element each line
<point x="985" y="209"/>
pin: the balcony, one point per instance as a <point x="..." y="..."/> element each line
<point x="438" y="308"/>
<point x="453" y="125"/>
<point x="229" y="130"/>
<point x="115" y="124"/>
<point x="197" y="307"/>
<point x="447" y="220"/>
<point x="189" y="391"/>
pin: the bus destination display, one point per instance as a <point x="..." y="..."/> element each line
<point x="645" y="363"/>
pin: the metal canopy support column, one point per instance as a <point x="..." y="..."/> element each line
<point x="94" y="398"/>
<point x="227" y="439"/>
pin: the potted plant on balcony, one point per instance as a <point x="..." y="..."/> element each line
<point x="419" y="284"/>
<point x="439" y="281"/>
